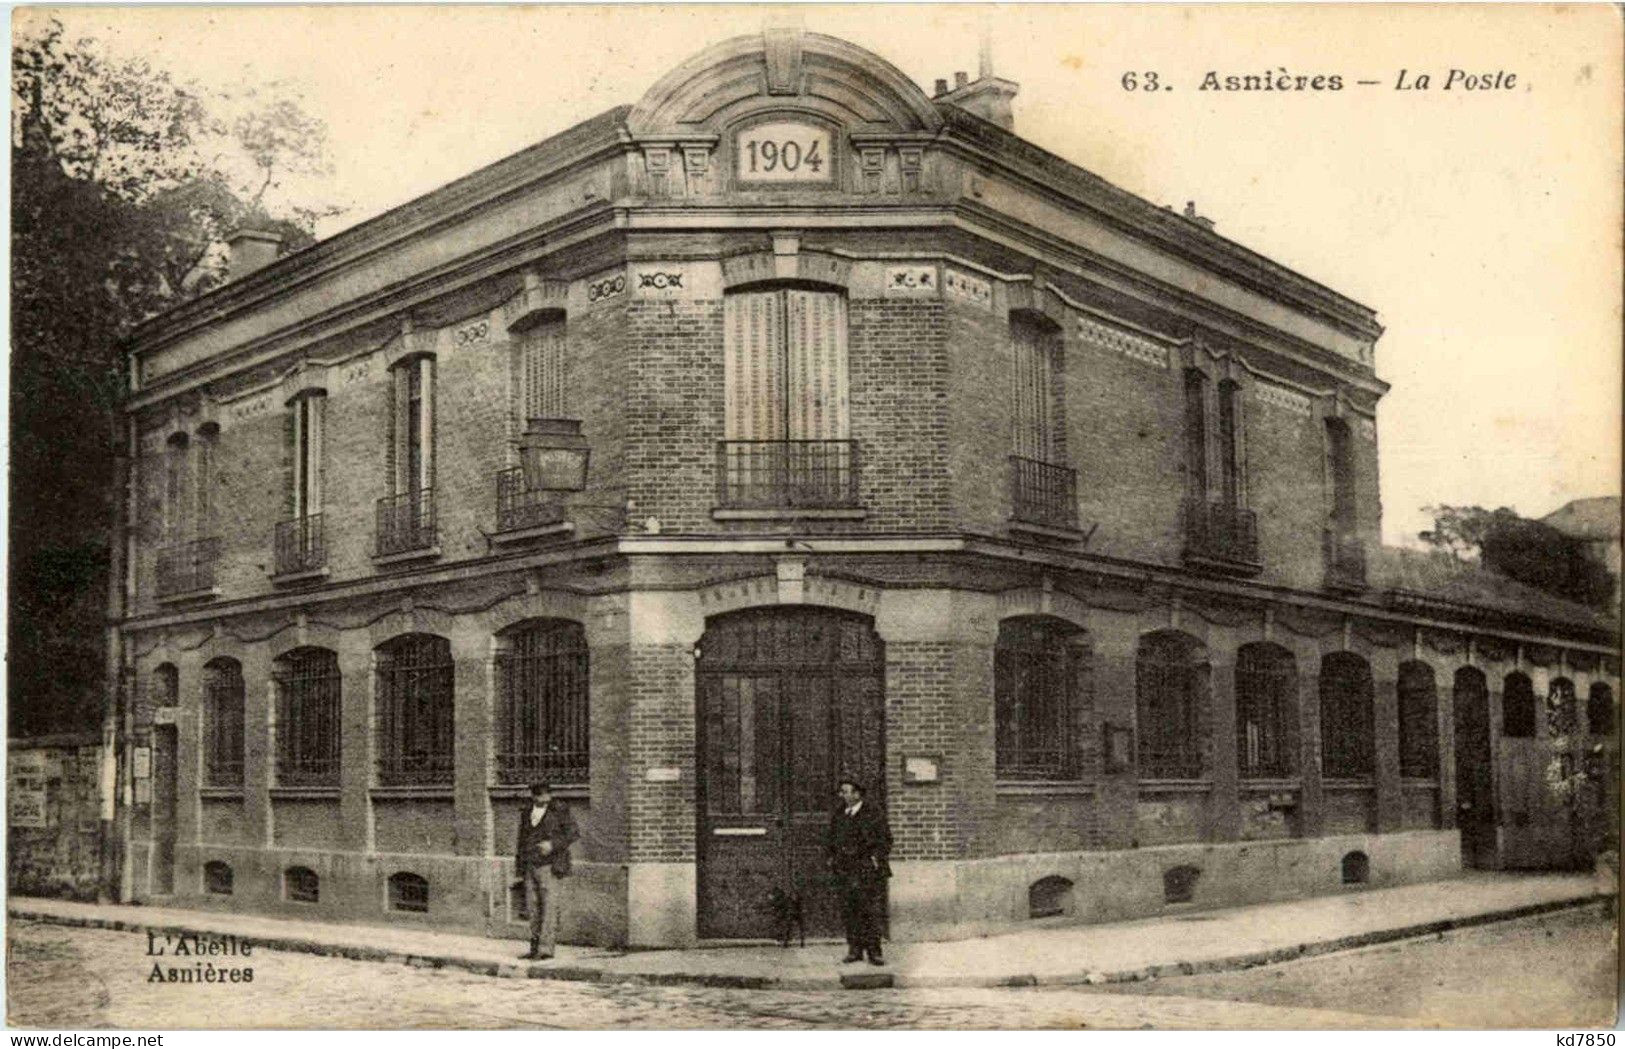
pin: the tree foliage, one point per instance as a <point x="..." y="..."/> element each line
<point x="124" y="181"/>
<point x="1533" y="553"/>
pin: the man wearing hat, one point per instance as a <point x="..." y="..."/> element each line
<point x="859" y="854"/>
<point x="546" y="832"/>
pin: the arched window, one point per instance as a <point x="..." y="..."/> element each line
<point x="542" y="679"/>
<point x="301" y="885"/>
<point x="308" y="725"/>
<point x="1418" y="721"/>
<point x="787" y="437"/>
<point x="1266" y="711"/>
<point x="1347" y="729"/>
<point x="1356" y="868"/>
<point x="1171" y="699"/>
<point x="223" y="723"/>
<point x="408" y="892"/>
<point x="1562" y="708"/>
<point x="1600" y="710"/>
<point x="416" y="729"/>
<point x="1518" y="706"/>
<point x="1037" y="669"/>
<point x="166" y="686"/>
<point x="217" y="879"/>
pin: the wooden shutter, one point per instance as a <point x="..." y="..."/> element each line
<point x="1033" y="394"/>
<point x="753" y="366"/>
<point x="815" y="365"/>
<point x="542" y="373"/>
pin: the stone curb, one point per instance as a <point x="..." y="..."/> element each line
<point x="850" y="981"/>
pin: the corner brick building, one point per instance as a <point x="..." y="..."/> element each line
<point x="786" y="425"/>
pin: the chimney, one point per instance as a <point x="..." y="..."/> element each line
<point x="1200" y="220"/>
<point x="251" y="249"/>
<point x="960" y="80"/>
<point x="988" y="96"/>
<point x="942" y="86"/>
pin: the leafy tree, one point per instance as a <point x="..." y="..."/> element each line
<point x="1533" y="553"/>
<point x="124" y="181"/>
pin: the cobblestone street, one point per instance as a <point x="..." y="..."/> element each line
<point x="87" y="978"/>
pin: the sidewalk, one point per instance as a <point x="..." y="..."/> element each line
<point x="1200" y="941"/>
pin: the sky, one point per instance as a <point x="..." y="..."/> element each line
<point x="1483" y="226"/>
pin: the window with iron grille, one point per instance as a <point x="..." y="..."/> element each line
<point x="1036" y="391"/>
<point x="1266" y="711"/>
<point x="307" y="718"/>
<point x="1518" y="706"/>
<point x="542" y="678"/>
<point x="540" y="357"/>
<point x="1347" y="728"/>
<point x="301" y="885"/>
<point x="1418" y="721"/>
<point x="1562" y="708"/>
<point x="1600" y="710"/>
<point x="415" y="729"/>
<point x="223" y="723"/>
<point x="408" y="892"/>
<point x="1038" y="668"/>
<point x="1171" y="696"/>
<point x="217" y="879"/>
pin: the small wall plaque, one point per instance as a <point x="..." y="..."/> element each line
<point x="663" y="774"/>
<point x="143" y="762"/>
<point x="922" y="768"/>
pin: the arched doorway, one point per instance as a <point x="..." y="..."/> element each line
<point x="789" y="700"/>
<point x="1475" y="776"/>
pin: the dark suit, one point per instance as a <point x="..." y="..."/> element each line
<point x="859" y="855"/>
<point x="557" y="828"/>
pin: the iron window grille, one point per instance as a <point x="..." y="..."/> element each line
<point x="309" y="737"/>
<point x="542" y="674"/>
<point x="187" y="567"/>
<point x="409" y="892"/>
<point x="223" y="728"/>
<point x="1169" y="693"/>
<point x="1418" y="722"/>
<point x="1266" y="711"/>
<point x="406" y="522"/>
<point x="1043" y="493"/>
<point x="1347" y="728"/>
<point x="301" y="885"/>
<point x="521" y="506"/>
<point x="787" y="474"/>
<point x="299" y="545"/>
<point x="415" y="728"/>
<point x="1036" y="670"/>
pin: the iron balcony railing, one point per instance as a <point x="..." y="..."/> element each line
<point x="187" y="567"/>
<point x="1043" y="493"/>
<point x="1221" y="532"/>
<point x="299" y="545"/>
<point x="773" y="475"/>
<point x="1345" y="560"/>
<point x="519" y="506"/>
<point x="406" y="522"/>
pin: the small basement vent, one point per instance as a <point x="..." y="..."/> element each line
<point x="1048" y="897"/>
<point x="217" y="878"/>
<point x="1356" y="868"/>
<point x="301" y="885"/>
<point x="1179" y="884"/>
<point x="408" y="892"/>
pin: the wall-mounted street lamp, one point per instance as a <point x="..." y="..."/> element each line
<point x="554" y="455"/>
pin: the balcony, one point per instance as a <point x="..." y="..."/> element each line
<point x="522" y="508"/>
<point x="796" y="476"/>
<point x="1043" y="493"/>
<point x="1345" y="560"/>
<point x="187" y="569"/>
<point x="1221" y="537"/>
<point x="406" y="525"/>
<point x="300" y="550"/>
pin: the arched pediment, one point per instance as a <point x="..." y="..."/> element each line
<point x="783" y="69"/>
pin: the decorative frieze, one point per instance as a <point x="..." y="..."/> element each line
<point x="605" y="286"/>
<point x="1119" y="340"/>
<point x="974" y="290"/>
<point x="910" y="282"/>
<point x="1284" y="399"/>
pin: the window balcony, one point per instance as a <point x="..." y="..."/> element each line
<point x="1345" y="560"/>
<point x="521" y="508"/>
<point x="300" y="548"/>
<point x="187" y="569"/>
<point x="1043" y="493"/>
<point x="406" y="524"/>
<point x="1222" y="537"/>
<point x="787" y="475"/>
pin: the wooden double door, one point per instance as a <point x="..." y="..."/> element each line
<point x="789" y="701"/>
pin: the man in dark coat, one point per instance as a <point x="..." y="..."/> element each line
<point x="859" y="855"/>
<point x="546" y="832"/>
